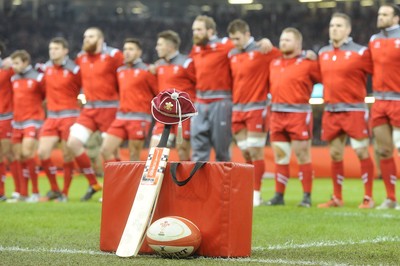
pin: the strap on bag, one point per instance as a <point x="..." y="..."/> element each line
<point x="174" y="167"/>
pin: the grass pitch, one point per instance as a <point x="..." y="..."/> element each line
<point x="68" y="233"/>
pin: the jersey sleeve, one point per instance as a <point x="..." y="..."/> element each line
<point x="315" y="72"/>
<point x="152" y="82"/>
<point x="366" y="61"/>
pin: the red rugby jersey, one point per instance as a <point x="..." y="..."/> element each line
<point x="213" y="75"/>
<point x="250" y="71"/>
<point x="6" y="105"/>
<point x="28" y="95"/>
<point x="99" y="79"/>
<point x="344" y="72"/>
<point x="137" y="88"/>
<point x="291" y="80"/>
<point x="177" y="73"/>
<point x="385" y="51"/>
<point x="62" y="84"/>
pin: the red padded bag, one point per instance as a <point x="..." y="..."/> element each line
<point x="216" y="196"/>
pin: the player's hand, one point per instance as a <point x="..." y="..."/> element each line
<point x="152" y="69"/>
<point x="6" y="63"/>
<point x="265" y="45"/>
<point x="310" y="54"/>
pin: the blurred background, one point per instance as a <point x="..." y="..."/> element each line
<point x="30" y="24"/>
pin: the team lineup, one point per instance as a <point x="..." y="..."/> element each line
<point x="229" y="80"/>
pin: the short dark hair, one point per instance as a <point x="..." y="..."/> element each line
<point x="134" y="41"/>
<point x="171" y="36"/>
<point x="238" y="25"/>
<point x="396" y="8"/>
<point x="23" y="54"/>
<point x="343" y="16"/>
<point x="60" y="40"/>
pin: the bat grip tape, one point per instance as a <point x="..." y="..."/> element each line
<point x="164" y="136"/>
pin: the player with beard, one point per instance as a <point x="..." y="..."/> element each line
<point x="6" y="108"/>
<point x="137" y="88"/>
<point x="28" y="95"/>
<point x="291" y="82"/>
<point x="250" y="71"/>
<point x="98" y="63"/>
<point x="385" y="119"/>
<point x="62" y="79"/>
<point x="174" y="70"/>
<point x="344" y="67"/>
<point x="211" y="128"/>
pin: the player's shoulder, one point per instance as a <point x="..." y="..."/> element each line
<point x="141" y="65"/>
<point x="326" y="49"/>
<point x="111" y="51"/>
<point x="352" y="46"/>
<point x="71" y="66"/>
<point x="123" y="68"/>
<point x="31" y="73"/>
<point x="181" y="60"/>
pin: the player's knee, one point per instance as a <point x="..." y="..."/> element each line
<point x="43" y="153"/>
<point x="68" y="157"/>
<point x="302" y="156"/>
<point x="78" y="136"/>
<point x="9" y="156"/>
<point x="362" y="153"/>
<point x="107" y="152"/>
<point x="27" y="152"/>
<point x="336" y="155"/>
<point x="282" y="152"/>
<point x="384" y="152"/>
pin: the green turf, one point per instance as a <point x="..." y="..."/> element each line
<point x="68" y="233"/>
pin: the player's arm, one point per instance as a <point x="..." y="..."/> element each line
<point x="151" y="81"/>
<point x="366" y="61"/>
<point x="315" y="72"/>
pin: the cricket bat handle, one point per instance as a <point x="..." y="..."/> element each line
<point x="164" y="137"/>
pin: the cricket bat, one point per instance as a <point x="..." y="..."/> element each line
<point x="145" y="200"/>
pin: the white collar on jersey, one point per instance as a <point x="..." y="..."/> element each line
<point x="168" y="58"/>
<point x="248" y="43"/>
<point x="347" y="41"/>
<point x="391" y="28"/>
<point x="26" y="70"/>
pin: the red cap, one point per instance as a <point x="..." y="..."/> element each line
<point x="172" y="107"/>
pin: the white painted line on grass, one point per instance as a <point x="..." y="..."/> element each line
<point x="275" y="261"/>
<point x="332" y="243"/>
<point x="228" y="260"/>
<point x="370" y="215"/>
<point x="53" y="250"/>
<point x="288" y="245"/>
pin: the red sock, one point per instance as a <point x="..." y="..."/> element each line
<point x="50" y="171"/>
<point x="388" y="170"/>
<point x="281" y="177"/>
<point x="24" y="178"/>
<point x="259" y="169"/>
<point x="337" y="178"/>
<point x="16" y="171"/>
<point x="2" y="178"/>
<point x="367" y="175"/>
<point x="68" y="169"/>
<point x="31" y="165"/>
<point x="84" y="163"/>
<point x="306" y="177"/>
